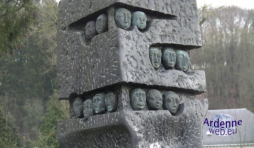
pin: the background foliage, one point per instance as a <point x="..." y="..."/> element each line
<point x="29" y="108"/>
<point x="227" y="57"/>
<point x="28" y="76"/>
<point x="8" y="133"/>
<point x="17" y="19"/>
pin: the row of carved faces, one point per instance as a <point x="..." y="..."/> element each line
<point x="99" y="104"/>
<point x="102" y="102"/>
<point x="154" y="99"/>
<point x="93" y="28"/>
<point x="169" y="58"/>
<point x="124" y="19"/>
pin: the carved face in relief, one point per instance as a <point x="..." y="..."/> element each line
<point x="155" y="57"/>
<point x="78" y="107"/>
<point x="171" y="101"/>
<point x="90" y="31"/>
<point x="88" y="108"/>
<point x="168" y="58"/>
<point x="102" y="23"/>
<point x="154" y="99"/>
<point x="138" y="99"/>
<point x="123" y="18"/>
<point x="111" y="101"/>
<point x="139" y="19"/>
<point x="99" y="103"/>
<point x="182" y="60"/>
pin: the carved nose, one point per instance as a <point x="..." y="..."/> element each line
<point x="125" y="19"/>
<point x="140" y="99"/>
<point x="156" y="59"/>
<point x="174" y="103"/>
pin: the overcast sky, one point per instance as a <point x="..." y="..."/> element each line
<point x="248" y="4"/>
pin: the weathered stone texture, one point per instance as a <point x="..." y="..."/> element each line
<point x="138" y="129"/>
<point x="114" y="57"/>
<point x="118" y="60"/>
<point x="185" y="27"/>
<point x="69" y="64"/>
<point x="119" y="55"/>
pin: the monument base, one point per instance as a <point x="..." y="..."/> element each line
<point x="137" y="129"/>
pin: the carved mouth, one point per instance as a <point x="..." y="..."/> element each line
<point x="142" y="25"/>
<point x="140" y="105"/>
<point x="85" y="115"/>
<point x="173" y="110"/>
<point x="158" y="105"/>
<point x="125" y="26"/>
<point x="156" y="64"/>
<point x="96" y="109"/>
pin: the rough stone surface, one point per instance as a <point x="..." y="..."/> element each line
<point x="137" y="129"/>
<point x="119" y="55"/>
<point x="73" y="10"/>
<point x="125" y="58"/>
<point x="118" y="60"/>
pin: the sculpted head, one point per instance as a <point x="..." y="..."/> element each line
<point x="90" y="31"/>
<point x="154" y="99"/>
<point x="155" y="57"/>
<point x="101" y="23"/>
<point x="171" y="101"/>
<point x="168" y="58"/>
<point x="111" y="101"/>
<point x="99" y="103"/>
<point x="123" y="18"/>
<point x="88" y="108"/>
<point x="138" y="99"/>
<point x="78" y="107"/>
<point x="182" y="60"/>
<point x="139" y="19"/>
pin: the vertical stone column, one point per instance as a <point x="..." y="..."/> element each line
<point x="147" y="67"/>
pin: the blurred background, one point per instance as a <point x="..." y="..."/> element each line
<point x="29" y="107"/>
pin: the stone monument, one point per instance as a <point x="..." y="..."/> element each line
<point x="125" y="67"/>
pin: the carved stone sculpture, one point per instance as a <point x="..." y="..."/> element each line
<point x="101" y="23"/>
<point x="171" y="101"/>
<point x="138" y="99"/>
<point x="88" y="108"/>
<point x="99" y="103"/>
<point x="90" y="30"/>
<point x="155" y="57"/>
<point x="111" y="101"/>
<point x="154" y="99"/>
<point x="128" y="59"/>
<point x="78" y="107"/>
<point x="139" y="19"/>
<point x="168" y="58"/>
<point x="123" y="18"/>
<point x="182" y="60"/>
